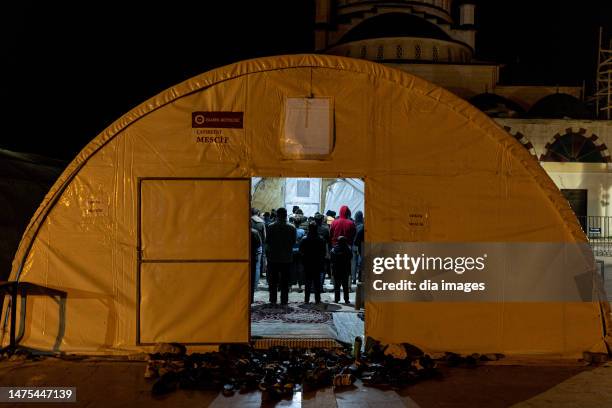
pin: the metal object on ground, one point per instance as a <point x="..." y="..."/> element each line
<point x="359" y="296"/>
<point x="357" y="348"/>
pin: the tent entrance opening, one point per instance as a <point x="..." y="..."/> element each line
<point x="297" y="280"/>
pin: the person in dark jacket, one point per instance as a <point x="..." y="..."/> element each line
<point x="323" y="230"/>
<point x="343" y="226"/>
<point x="259" y="225"/>
<point x="313" y="250"/>
<point x="357" y="247"/>
<point x="297" y="272"/>
<point x="255" y="248"/>
<point x="280" y="238"/>
<point x="341" y="255"/>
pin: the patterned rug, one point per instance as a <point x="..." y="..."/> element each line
<point x="292" y="313"/>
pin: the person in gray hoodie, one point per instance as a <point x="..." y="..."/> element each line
<point x="280" y="238"/>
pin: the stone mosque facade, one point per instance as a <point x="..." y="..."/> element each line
<point x="421" y="37"/>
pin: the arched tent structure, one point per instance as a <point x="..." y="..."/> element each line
<point x="147" y="229"/>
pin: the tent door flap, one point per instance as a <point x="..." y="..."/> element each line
<point x="193" y="269"/>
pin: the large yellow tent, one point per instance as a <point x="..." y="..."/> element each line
<point x="146" y="230"/>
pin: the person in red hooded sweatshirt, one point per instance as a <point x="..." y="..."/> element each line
<point x="343" y="226"/>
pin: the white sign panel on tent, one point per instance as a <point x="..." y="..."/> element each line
<point x="308" y="127"/>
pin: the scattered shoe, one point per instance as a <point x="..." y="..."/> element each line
<point x="279" y="371"/>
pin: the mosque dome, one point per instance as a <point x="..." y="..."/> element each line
<point x="394" y="25"/>
<point x="559" y="106"/>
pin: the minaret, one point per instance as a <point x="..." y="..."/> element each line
<point x="322" y="23"/>
<point x="467" y="19"/>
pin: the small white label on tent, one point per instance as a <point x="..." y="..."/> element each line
<point x="308" y="127"/>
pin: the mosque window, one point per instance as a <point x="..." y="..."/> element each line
<point x="363" y="51"/>
<point x="449" y="55"/>
<point x="575" y="147"/>
<point x="380" y="52"/>
<point x="399" y="52"/>
<point x="417" y="52"/>
<point x="348" y="52"/>
<point x="436" y="56"/>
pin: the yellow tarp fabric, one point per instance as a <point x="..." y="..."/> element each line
<point x="418" y="147"/>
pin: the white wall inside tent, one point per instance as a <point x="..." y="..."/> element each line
<point x="348" y="191"/>
<point x="254" y="182"/>
<point x="305" y="193"/>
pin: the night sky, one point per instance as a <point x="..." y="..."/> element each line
<point x="69" y="70"/>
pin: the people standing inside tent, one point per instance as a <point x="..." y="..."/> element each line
<point x="266" y="218"/>
<point x="323" y="230"/>
<point x="330" y="216"/>
<point x="297" y="272"/>
<point x="270" y="221"/>
<point x="357" y="248"/>
<point x="280" y="238"/>
<point x="255" y="252"/>
<point x="259" y="225"/>
<point x="272" y="216"/>
<point x="341" y="255"/>
<point x="304" y="222"/>
<point x="343" y="226"/>
<point x="313" y="250"/>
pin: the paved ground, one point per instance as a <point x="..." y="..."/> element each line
<point x="590" y="389"/>
<point x="121" y="384"/>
